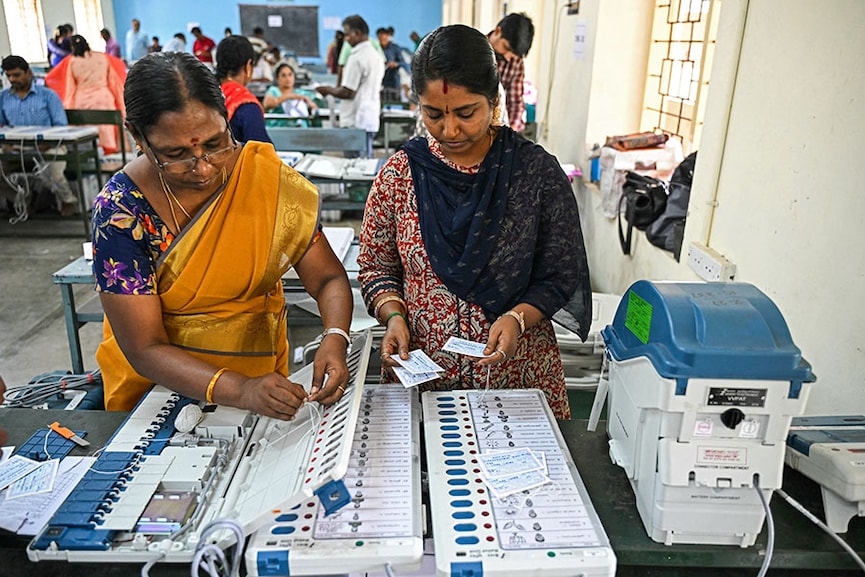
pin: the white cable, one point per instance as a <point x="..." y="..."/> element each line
<point x="48" y="385"/>
<point x="145" y="569"/>
<point x="388" y="569"/>
<point x="211" y="558"/>
<point x="770" y="528"/>
<point x="798" y="506"/>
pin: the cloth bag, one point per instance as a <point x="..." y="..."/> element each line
<point x="643" y="200"/>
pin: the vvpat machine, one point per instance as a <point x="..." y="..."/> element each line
<point x="703" y="382"/>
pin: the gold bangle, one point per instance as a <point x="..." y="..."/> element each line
<point x="385" y="300"/>
<point x="518" y="315"/>
<point x="208" y="396"/>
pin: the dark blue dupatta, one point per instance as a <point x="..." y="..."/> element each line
<point x="460" y="215"/>
<point x="483" y="233"/>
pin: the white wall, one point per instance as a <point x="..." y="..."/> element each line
<point x="779" y="182"/>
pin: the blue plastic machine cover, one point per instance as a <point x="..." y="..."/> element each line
<point x="705" y="330"/>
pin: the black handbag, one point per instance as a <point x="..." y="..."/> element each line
<point x="668" y="230"/>
<point x="643" y="200"/>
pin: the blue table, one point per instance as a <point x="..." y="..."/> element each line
<point x="80" y="271"/>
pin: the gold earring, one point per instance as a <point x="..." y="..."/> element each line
<point x="497" y="116"/>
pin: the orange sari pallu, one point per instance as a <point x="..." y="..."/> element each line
<point x="220" y="280"/>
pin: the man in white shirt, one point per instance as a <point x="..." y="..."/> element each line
<point x="360" y="87"/>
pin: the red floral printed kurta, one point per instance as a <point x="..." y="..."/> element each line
<point x="391" y="247"/>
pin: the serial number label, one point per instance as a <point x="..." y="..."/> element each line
<point x="735" y="397"/>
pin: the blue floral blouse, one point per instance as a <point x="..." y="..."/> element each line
<point x="128" y="239"/>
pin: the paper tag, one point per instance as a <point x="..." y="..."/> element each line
<point x="418" y="362"/>
<point x="39" y="480"/>
<point x="464" y="347"/>
<point x="509" y="463"/>
<point x="508" y="485"/>
<point x="409" y="379"/>
<point x="15" y="468"/>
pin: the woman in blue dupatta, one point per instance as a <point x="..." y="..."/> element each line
<point x="473" y="232"/>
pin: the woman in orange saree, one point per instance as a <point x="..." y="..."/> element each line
<point x="190" y="242"/>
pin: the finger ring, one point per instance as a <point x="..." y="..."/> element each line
<point x="504" y="354"/>
<point x="341" y="388"/>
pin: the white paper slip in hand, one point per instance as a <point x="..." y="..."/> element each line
<point x="409" y="379"/>
<point x="464" y="347"/>
<point x="418" y="362"/>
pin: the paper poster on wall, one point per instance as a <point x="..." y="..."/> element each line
<point x="580" y="39"/>
<point x="332" y="23"/>
<point x="274" y="20"/>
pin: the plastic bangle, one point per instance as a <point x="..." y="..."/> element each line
<point x="385" y="300"/>
<point x="395" y="314"/>
<point x="209" y="394"/>
<point x="518" y="315"/>
<point x="337" y="331"/>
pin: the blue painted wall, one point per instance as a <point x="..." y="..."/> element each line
<point x="164" y="18"/>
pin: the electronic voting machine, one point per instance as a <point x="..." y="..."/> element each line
<point x="550" y="530"/>
<point x="830" y="450"/>
<point x="704" y="380"/>
<point x="152" y="490"/>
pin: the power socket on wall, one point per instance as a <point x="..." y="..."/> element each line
<point x="709" y="264"/>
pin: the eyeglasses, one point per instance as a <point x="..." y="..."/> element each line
<point x="188" y="164"/>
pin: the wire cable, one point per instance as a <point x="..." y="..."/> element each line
<point x="46" y="386"/>
<point x="211" y="558"/>
<point x="799" y="507"/>
<point x="770" y="528"/>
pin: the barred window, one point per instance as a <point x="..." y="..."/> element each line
<point x="680" y="59"/>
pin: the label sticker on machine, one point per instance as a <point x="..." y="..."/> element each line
<point x="638" y="317"/>
<point x="736" y="397"/>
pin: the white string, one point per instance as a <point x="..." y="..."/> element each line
<point x="45" y="443"/>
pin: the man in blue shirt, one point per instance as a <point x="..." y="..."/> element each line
<point x="26" y="104"/>
<point x="136" y="43"/>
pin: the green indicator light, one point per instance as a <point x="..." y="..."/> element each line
<point x="551" y="553"/>
<point x="358" y="543"/>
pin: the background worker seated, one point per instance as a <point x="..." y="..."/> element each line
<point x="26" y="104"/>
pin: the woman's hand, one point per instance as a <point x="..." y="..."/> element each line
<point x="502" y="342"/>
<point x="329" y="371"/>
<point x="272" y="395"/>
<point x="395" y="340"/>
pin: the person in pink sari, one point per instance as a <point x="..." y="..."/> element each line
<point x="91" y="81"/>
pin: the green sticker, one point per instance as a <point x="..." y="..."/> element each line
<point x="639" y="317"/>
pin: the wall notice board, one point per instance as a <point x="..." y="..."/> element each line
<point x="293" y="28"/>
